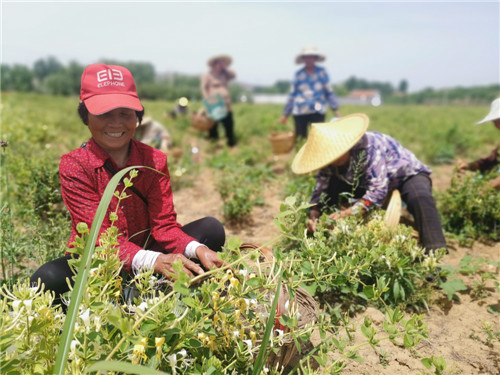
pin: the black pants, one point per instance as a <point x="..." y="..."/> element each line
<point x="416" y="192"/>
<point x="302" y="123"/>
<point x="228" y="124"/>
<point x="208" y="231"/>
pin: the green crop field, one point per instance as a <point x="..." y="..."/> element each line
<point x="346" y="269"/>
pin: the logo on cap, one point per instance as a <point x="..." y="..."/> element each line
<point x="110" y="77"/>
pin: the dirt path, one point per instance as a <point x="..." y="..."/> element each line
<point x="458" y="329"/>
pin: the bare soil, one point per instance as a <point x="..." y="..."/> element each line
<point x="455" y="327"/>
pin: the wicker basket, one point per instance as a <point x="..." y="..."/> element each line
<point x="200" y="121"/>
<point x="282" y="142"/>
<point x="303" y="301"/>
<point x="393" y="211"/>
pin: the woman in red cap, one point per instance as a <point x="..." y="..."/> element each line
<point x="150" y="236"/>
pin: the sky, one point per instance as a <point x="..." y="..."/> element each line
<point x="428" y="43"/>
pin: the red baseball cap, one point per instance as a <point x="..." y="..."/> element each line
<point x="106" y="87"/>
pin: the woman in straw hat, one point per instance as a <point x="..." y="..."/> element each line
<point x="310" y="93"/>
<point x="367" y="166"/>
<point x="214" y="82"/>
<point x="149" y="235"/>
<point x="491" y="161"/>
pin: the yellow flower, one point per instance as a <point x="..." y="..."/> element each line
<point x="253" y="336"/>
<point x="139" y="353"/>
<point x="159" y="341"/>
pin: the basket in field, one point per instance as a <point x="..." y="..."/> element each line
<point x="282" y="142"/>
<point x="200" y="121"/>
<point x="302" y="302"/>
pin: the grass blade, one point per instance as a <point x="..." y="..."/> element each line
<point x="123" y="367"/>
<point x="260" y="361"/>
<point x="83" y="270"/>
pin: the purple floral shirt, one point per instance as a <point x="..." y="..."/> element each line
<point x="379" y="163"/>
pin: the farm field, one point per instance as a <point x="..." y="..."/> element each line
<point x="464" y="329"/>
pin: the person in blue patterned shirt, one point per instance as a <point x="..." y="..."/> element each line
<point x="310" y="93"/>
<point x="362" y="168"/>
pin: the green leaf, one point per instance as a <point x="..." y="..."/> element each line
<point x="124" y="367"/>
<point x="427" y="362"/>
<point x="452" y="286"/>
<point x="368" y="291"/>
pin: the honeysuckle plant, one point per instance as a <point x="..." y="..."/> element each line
<point x="222" y="322"/>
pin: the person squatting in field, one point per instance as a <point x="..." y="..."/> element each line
<point x="491" y="161"/>
<point x="310" y="93"/>
<point x="215" y="82"/>
<point x="149" y="235"/>
<point x="367" y="167"/>
<point x="154" y="134"/>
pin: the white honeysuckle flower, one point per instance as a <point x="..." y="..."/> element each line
<point x="243" y="272"/>
<point x="33" y="289"/>
<point x="73" y="345"/>
<point x="85" y="316"/>
<point x="236" y="333"/>
<point x="249" y="344"/>
<point x="28" y="303"/>
<point x="15" y="305"/>
<point x="173" y="362"/>
<point x="182" y="353"/>
<point x="97" y="322"/>
<point x="143" y="306"/>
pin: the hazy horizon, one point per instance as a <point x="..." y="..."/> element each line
<point x="429" y="44"/>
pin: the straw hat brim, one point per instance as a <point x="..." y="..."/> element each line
<point x="226" y="58"/>
<point x="329" y="141"/>
<point x="300" y="58"/>
<point x="494" y="113"/>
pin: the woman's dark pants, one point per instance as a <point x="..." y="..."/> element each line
<point x="228" y="124"/>
<point x="302" y="123"/>
<point x="416" y="192"/>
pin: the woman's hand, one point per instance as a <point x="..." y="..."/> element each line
<point x="341" y="214"/>
<point x="311" y="225"/>
<point x="283" y="119"/>
<point x="208" y="258"/>
<point x="314" y="215"/>
<point x="164" y="266"/>
<point x="462" y="166"/>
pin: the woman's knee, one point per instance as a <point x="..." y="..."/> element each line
<point x="53" y="275"/>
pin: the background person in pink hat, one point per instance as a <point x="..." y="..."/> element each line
<point x="150" y="236"/>
<point x="310" y="93"/>
<point x="491" y="161"/>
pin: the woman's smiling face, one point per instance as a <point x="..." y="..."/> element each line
<point x="113" y="130"/>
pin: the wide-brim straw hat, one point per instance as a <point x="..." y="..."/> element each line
<point x="213" y="59"/>
<point x="494" y="112"/>
<point x="309" y="51"/>
<point x="329" y="141"/>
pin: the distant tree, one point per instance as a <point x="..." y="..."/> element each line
<point x="17" y="78"/>
<point x="403" y="86"/>
<point x="66" y="82"/>
<point x="45" y="67"/>
<point x="282" y="86"/>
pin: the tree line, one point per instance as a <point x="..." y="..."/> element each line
<point x="49" y="76"/>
